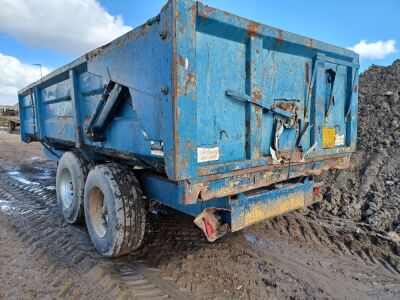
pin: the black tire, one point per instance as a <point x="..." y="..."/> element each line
<point x="11" y="126"/>
<point x="72" y="171"/>
<point x="114" y="210"/>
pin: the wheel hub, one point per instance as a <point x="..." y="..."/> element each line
<point x="98" y="212"/>
<point x="66" y="188"/>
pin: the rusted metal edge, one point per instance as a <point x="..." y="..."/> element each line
<point x="267" y="181"/>
<point x="262" y="177"/>
<point x="175" y="127"/>
<point x="204" y="171"/>
<point x="180" y="164"/>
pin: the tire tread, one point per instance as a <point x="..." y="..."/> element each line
<point x="129" y="206"/>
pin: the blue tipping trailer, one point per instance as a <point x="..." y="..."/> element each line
<point x="214" y="115"/>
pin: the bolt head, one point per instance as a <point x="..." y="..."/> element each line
<point x="164" y="90"/>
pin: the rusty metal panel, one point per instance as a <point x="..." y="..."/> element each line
<point x="249" y="209"/>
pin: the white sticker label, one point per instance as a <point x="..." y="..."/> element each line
<point x="186" y="64"/>
<point x="157" y="152"/>
<point x="207" y="154"/>
<point x="339" y="140"/>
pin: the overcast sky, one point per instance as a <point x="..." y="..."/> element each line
<point x="52" y="33"/>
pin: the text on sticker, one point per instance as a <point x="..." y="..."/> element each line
<point x="207" y="154"/>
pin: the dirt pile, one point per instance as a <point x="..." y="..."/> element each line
<point x="370" y="191"/>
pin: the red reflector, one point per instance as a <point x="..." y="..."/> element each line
<point x="317" y="190"/>
<point x="209" y="228"/>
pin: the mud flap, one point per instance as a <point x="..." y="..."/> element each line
<point x="210" y="223"/>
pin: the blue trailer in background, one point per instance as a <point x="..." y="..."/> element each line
<point x="219" y="117"/>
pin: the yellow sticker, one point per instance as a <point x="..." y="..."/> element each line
<point x="328" y="137"/>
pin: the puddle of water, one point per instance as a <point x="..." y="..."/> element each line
<point x="24" y="181"/>
<point x="158" y="211"/>
<point x="17" y="176"/>
<point x="251" y="239"/>
<point x="44" y="171"/>
<point x="5" y="206"/>
<point x="33" y="158"/>
<point x="12" y="208"/>
<point x="45" y="177"/>
<point x="154" y="211"/>
<point x="255" y="240"/>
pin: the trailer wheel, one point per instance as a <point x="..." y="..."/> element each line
<point x="72" y="171"/>
<point x="11" y="126"/>
<point x="114" y="210"/>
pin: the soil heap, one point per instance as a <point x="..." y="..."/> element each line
<point x="370" y="191"/>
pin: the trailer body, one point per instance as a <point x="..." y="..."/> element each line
<point x="218" y="113"/>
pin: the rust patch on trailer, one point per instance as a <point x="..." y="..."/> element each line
<point x="262" y="211"/>
<point x="205" y="12"/>
<point x="291" y="155"/>
<point x="252" y="28"/>
<point x="209" y="10"/>
<point x="191" y="192"/>
<point x="236" y="184"/>
<point x="256" y="94"/>
<point x="190" y="83"/>
<point x="332" y="162"/>
<point x="310" y="43"/>
<point x="97" y="52"/>
<point x="194" y="12"/>
<point x="287" y="106"/>
<point x="189" y="146"/>
<point x="181" y="61"/>
<point x="279" y="40"/>
<point x="182" y="163"/>
<point x="250" y="180"/>
<point x="259" y="119"/>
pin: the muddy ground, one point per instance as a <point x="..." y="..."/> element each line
<point x="346" y="247"/>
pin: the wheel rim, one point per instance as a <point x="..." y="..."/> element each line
<point x="66" y="188"/>
<point x="98" y="212"/>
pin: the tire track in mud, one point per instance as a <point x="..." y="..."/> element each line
<point x="324" y="260"/>
<point x="350" y="240"/>
<point x="317" y="275"/>
<point x="66" y="256"/>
